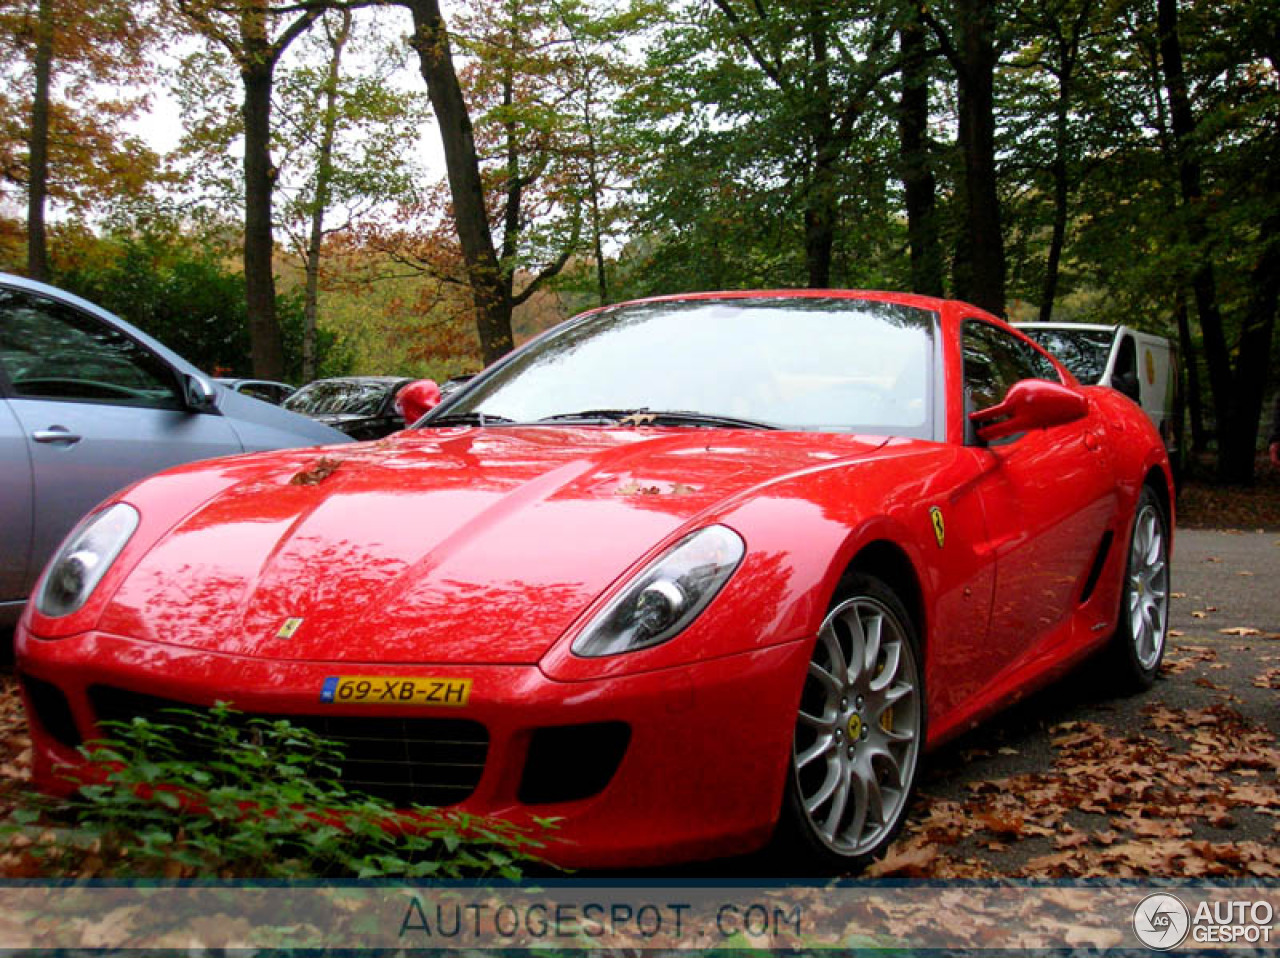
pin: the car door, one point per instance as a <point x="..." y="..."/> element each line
<point x="15" y="508"/>
<point x="96" y="410"/>
<point x="1048" y="496"/>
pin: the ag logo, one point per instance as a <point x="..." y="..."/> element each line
<point x="939" y="527"/>
<point x="1161" y="921"/>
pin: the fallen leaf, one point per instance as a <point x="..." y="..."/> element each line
<point x="909" y="862"/>
<point x="316" y="473"/>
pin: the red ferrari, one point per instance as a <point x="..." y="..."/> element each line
<point x="692" y="573"/>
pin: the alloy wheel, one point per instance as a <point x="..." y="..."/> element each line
<point x="857" y="737"/>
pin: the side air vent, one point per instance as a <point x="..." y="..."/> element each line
<point x="1099" y="560"/>
<point x="570" y="762"/>
<point x="52" y="710"/>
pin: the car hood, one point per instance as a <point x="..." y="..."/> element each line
<point x="447" y="545"/>
<point x="338" y="418"/>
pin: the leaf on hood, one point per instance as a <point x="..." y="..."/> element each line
<point x="316" y="473"/>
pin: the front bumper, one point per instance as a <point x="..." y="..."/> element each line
<point x="701" y="777"/>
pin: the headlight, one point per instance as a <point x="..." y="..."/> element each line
<point x="666" y="596"/>
<point x="84" y="559"/>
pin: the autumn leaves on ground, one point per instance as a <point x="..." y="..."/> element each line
<point x="1076" y="782"/>
<point x="1115" y="803"/>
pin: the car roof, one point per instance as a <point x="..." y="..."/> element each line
<point x="1083" y="327"/>
<point x="906" y="299"/>
<point x="236" y="381"/>
<point x="361" y="379"/>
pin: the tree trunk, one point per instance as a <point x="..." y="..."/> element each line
<point x="819" y="223"/>
<point x="257" y="70"/>
<point x="1237" y="438"/>
<point x="597" y="231"/>
<point x="38" y="147"/>
<point x="492" y="300"/>
<point x="1061" y="196"/>
<point x="980" y="266"/>
<point x="1203" y="281"/>
<point x="594" y="186"/>
<point x="1190" y="362"/>
<point x="320" y="203"/>
<point x="822" y="194"/>
<point x="918" y="182"/>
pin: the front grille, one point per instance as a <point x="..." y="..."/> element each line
<point x="407" y="761"/>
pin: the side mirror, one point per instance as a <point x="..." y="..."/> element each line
<point x="416" y="399"/>
<point x="1029" y="404"/>
<point x="199" y="394"/>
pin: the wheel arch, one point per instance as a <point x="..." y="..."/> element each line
<point x="1160" y="483"/>
<point x="889" y="562"/>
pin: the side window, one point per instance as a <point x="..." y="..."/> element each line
<point x="52" y="351"/>
<point x="994" y="361"/>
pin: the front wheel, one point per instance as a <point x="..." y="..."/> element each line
<point x="858" y="734"/>
<point x="1138" y="644"/>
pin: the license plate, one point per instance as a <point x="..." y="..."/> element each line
<point x="382" y="690"/>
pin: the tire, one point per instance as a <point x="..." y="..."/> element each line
<point x="1137" y="646"/>
<point x="858" y="735"/>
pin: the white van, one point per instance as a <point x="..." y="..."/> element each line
<point x="1143" y="367"/>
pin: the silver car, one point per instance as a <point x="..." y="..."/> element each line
<point x="88" y="404"/>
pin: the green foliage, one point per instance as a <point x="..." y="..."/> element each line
<point x="760" y="120"/>
<point x="181" y="291"/>
<point x="216" y="793"/>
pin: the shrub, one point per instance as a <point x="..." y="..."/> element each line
<point x="180" y="290"/>
<point x="216" y="793"/>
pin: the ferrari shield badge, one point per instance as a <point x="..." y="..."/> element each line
<point x="290" y="626"/>
<point x="939" y="527"/>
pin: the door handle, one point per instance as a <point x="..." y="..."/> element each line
<point x="56" y="434"/>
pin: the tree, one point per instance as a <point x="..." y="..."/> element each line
<point x="919" y="184"/>
<point x="255" y="35"/>
<point x="1242" y="114"/>
<point x="972" y="47"/>
<point x="340" y="144"/>
<point x="592" y="73"/>
<point x="769" y="128"/>
<point x="512" y="145"/>
<point x="462" y="162"/>
<point x="57" y="57"/>
<point x="1055" y="37"/>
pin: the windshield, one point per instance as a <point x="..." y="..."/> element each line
<point x="799" y="363"/>
<point x="339" y="397"/>
<point x="1083" y="351"/>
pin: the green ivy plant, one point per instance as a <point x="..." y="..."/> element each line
<point x="214" y="793"/>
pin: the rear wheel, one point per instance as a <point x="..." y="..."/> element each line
<point x="858" y="734"/>
<point x="1138" y="645"/>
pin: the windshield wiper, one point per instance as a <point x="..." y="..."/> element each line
<point x="475" y="418"/>
<point x="643" y="416"/>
